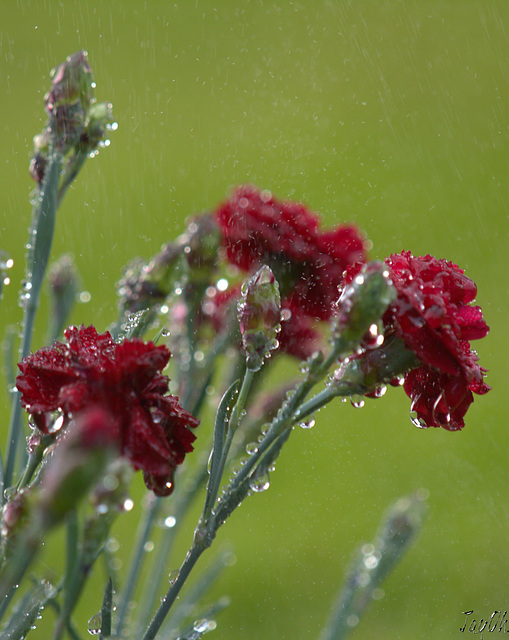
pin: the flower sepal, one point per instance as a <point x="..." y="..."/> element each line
<point x="368" y="370"/>
<point x="360" y="308"/>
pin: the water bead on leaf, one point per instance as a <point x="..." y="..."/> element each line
<point x="94" y="624"/>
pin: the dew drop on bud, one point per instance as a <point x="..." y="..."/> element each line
<point x="379" y="392"/>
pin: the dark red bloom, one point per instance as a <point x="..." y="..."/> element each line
<point x="298" y="336"/>
<point x="308" y="263"/>
<point x="89" y="371"/>
<point x="433" y="317"/>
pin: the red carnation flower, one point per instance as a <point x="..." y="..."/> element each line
<point x="308" y="263"/>
<point x="92" y="371"/>
<point x="433" y="317"/>
<point x="298" y="336"/>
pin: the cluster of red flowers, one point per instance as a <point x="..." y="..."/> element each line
<point x="124" y="381"/>
<point x="308" y="263"/>
<point x="431" y="314"/>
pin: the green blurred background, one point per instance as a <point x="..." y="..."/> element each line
<point x="390" y="114"/>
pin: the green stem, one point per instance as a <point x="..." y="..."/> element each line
<point x="324" y="397"/>
<point x="241" y="400"/>
<point x="160" y="563"/>
<point x="70" y="173"/>
<point x="25" y="551"/>
<point x="106" y="610"/>
<point x="72" y="579"/>
<point x="291" y="412"/>
<point x="236" y="415"/>
<point x="144" y="532"/>
<point x="174" y="590"/>
<point x="33" y="462"/>
<point x="190" y="601"/>
<point x="43" y="226"/>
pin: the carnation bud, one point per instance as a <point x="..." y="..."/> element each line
<point x="67" y="123"/>
<point x="76" y="124"/>
<point x="201" y="243"/>
<point x="71" y="81"/>
<point x="78" y="461"/>
<point x="15" y="514"/>
<point x="259" y="313"/>
<point x="109" y="498"/>
<point x="144" y="285"/>
<point x="361" y="305"/>
<point x="375" y="561"/>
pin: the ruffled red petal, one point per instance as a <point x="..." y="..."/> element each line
<point x="124" y="381"/>
<point x="308" y="263"/>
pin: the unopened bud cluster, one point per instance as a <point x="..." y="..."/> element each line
<point x="76" y="122"/>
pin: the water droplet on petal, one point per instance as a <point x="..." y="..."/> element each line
<point x="416" y="420"/>
<point x="286" y="314"/>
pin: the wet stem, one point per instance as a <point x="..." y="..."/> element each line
<point x="150" y="516"/>
<point x="292" y="411"/>
<point x="216" y="472"/>
<point x="43" y="225"/>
